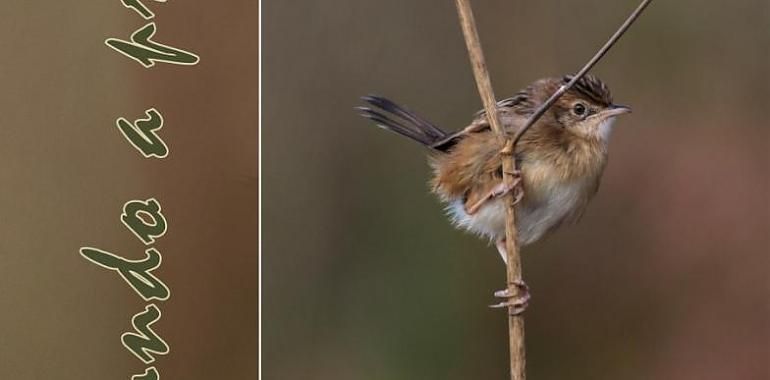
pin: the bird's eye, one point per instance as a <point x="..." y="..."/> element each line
<point x="579" y="109"/>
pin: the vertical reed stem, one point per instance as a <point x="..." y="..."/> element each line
<point x="480" y="72"/>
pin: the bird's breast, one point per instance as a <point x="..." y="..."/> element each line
<point x="550" y="203"/>
<point x="558" y="184"/>
<point x="544" y="207"/>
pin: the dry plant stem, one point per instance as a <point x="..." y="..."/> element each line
<point x="515" y="322"/>
<point x="470" y="32"/>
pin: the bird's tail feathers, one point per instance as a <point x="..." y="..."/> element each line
<point x="393" y="117"/>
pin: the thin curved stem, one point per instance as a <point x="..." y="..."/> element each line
<point x="588" y="66"/>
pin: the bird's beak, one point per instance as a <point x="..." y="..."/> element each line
<point x="616" y="109"/>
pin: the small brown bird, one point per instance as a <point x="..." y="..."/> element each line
<point x="561" y="157"/>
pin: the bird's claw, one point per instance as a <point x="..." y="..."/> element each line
<point x="516" y="300"/>
<point x="515" y="186"/>
<point x="503" y="189"/>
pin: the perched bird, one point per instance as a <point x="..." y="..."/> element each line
<point x="561" y="157"/>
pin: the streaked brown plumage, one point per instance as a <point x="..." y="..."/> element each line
<point x="561" y="157"/>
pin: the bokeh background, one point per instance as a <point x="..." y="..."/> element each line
<point x="666" y="276"/>
<point x="67" y="171"/>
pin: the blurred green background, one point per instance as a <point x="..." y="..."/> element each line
<point x="666" y="276"/>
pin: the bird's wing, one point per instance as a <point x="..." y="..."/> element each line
<point x="466" y="170"/>
<point x="511" y="111"/>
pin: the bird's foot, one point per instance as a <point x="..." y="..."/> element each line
<point x="515" y="186"/>
<point x="500" y="190"/>
<point x="497" y="191"/>
<point x="517" y="298"/>
<point x="503" y="188"/>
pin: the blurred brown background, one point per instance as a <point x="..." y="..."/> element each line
<point x="666" y="277"/>
<point x="67" y="171"/>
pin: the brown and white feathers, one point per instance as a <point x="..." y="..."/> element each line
<point x="561" y="157"/>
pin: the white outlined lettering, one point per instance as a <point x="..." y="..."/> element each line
<point x="146" y="343"/>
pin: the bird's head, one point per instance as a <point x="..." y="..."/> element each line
<point x="586" y="110"/>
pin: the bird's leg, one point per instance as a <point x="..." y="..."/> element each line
<point x="499" y="190"/>
<point x="517" y="300"/>
<point x="517" y="293"/>
<point x="519" y="191"/>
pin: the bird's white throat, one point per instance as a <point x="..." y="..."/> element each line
<point x="605" y="128"/>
